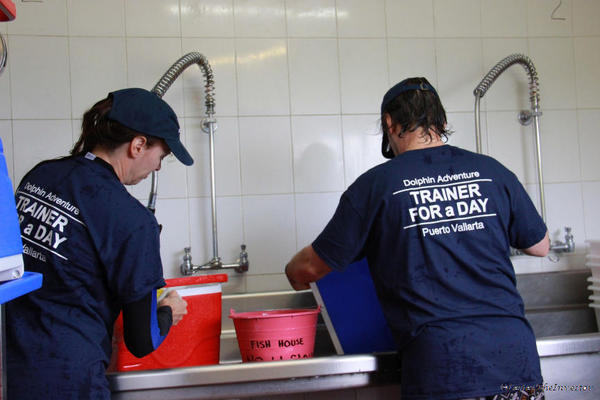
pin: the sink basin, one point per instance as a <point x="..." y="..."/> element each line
<point x="555" y="305"/>
<point x="567" y="358"/>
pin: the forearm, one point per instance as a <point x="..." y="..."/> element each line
<point x="305" y="267"/>
<point x="144" y="325"/>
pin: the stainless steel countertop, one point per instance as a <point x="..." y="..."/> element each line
<point x="293" y="376"/>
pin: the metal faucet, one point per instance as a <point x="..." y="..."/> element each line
<point x="188" y="268"/>
<point x="568" y="246"/>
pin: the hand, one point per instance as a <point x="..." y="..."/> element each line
<point x="289" y="271"/>
<point x="177" y="304"/>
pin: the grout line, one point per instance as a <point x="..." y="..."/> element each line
<point x="293" y="164"/>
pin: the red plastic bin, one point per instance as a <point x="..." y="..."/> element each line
<point x="195" y="340"/>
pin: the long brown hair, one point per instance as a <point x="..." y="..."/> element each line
<point x="99" y="131"/>
<point x="417" y="108"/>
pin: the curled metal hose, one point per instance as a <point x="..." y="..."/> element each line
<point x="534" y="98"/>
<point x="501" y="66"/>
<point x="178" y="67"/>
<point x="165" y="82"/>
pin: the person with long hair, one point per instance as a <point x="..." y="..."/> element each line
<point x="98" y="249"/>
<point x="436" y="223"/>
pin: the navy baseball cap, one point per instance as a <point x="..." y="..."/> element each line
<point x="145" y="112"/>
<point x="401" y="87"/>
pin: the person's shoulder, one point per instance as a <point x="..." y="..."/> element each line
<point x="375" y="172"/>
<point x="479" y="157"/>
<point x="486" y="164"/>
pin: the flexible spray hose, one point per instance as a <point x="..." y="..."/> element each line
<point x="165" y="83"/>
<point x="534" y="98"/>
<point x="178" y="67"/>
<point x="501" y="66"/>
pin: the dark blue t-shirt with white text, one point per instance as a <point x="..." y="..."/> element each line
<point x="97" y="248"/>
<point x="436" y="226"/>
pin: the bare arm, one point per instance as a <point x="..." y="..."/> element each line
<point x="540" y="249"/>
<point x="305" y="267"/>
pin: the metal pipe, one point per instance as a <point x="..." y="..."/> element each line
<point x="208" y="126"/>
<point x="477" y="125"/>
<point x="538" y="153"/>
<point x="213" y="196"/>
<point x="534" y="98"/>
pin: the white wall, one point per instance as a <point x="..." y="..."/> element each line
<point x="298" y="87"/>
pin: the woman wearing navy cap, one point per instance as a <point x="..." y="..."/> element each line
<point x="98" y="250"/>
<point x="436" y="224"/>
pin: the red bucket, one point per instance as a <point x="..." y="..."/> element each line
<point x="195" y="340"/>
<point x="276" y="334"/>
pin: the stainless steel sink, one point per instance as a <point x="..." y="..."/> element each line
<point x="556" y="305"/>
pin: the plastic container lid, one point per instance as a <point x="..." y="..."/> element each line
<point x="29" y="282"/>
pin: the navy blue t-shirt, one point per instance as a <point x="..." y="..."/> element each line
<point x="97" y="248"/>
<point x="436" y="225"/>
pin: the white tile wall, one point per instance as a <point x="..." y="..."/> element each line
<point x="561" y="156"/>
<point x="262" y="75"/>
<point x="37" y="140"/>
<point x="152" y="18"/>
<point x="209" y="18"/>
<point x="507" y="18"/>
<point x="411" y="57"/>
<point x="462" y="126"/>
<point x="591" y="194"/>
<point x="362" y="144"/>
<point x="269" y="225"/>
<point x="363" y="73"/>
<point x="564" y="207"/>
<point x="95" y="18"/>
<point x="512" y="144"/>
<point x="457" y="18"/>
<point x="585" y="17"/>
<point x="7" y="148"/>
<point x="297" y="75"/>
<point x="318" y="154"/>
<point x="313" y="212"/>
<point x="266" y="155"/>
<point x="459" y="70"/>
<point x="39" y="89"/>
<point x="358" y="18"/>
<point x="549" y="18"/>
<point x="40" y="18"/>
<point x="311" y="18"/>
<point x="259" y="18"/>
<point x="409" y="18"/>
<point x="5" y="106"/>
<point x="555" y="64"/>
<point x="98" y="66"/>
<point x="314" y="76"/>
<point x="587" y="52"/>
<point x="589" y="143"/>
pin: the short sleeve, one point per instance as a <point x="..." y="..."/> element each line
<point x="136" y="268"/>
<point x="343" y="239"/>
<point x="526" y="227"/>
